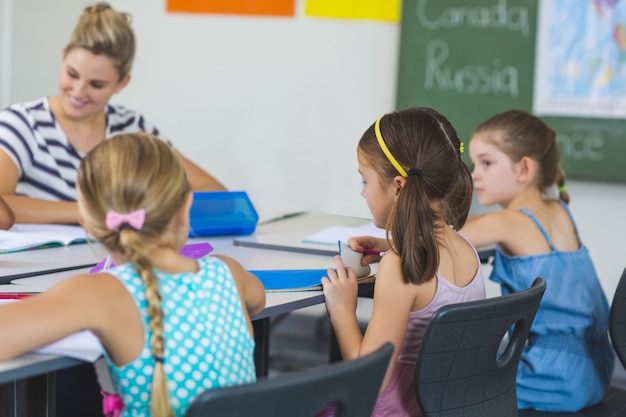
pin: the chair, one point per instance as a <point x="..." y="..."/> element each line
<point x="614" y="404"/>
<point x="351" y="385"/>
<point x="459" y="370"/>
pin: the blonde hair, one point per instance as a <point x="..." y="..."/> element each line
<point x="438" y="187"/>
<point x="126" y="173"/>
<point x="519" y="133"/>
<point x="105" y="31"/>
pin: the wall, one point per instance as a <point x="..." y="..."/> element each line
<point x="5" y="29"/>
<point x="273" y="106"/>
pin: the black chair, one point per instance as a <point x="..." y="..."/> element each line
<point x="614" y="404"/>
<point x="459" y="370"/>
<point x="352" y="386"/>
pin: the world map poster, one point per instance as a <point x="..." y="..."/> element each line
<point x="580" y="63"/>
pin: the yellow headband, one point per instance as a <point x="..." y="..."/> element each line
<point x="386" y="151"/>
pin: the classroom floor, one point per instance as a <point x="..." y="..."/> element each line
<point x="302" y="339"/>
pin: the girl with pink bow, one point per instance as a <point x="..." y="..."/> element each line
<point x="171" y="326"/>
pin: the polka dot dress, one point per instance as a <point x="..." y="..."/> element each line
<point x="207" y="341"/>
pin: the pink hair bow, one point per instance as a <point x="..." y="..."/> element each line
<point x="112" y="404"/>
<point x="134" y="219"/>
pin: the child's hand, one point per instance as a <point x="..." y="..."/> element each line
<point x="340" y="289"/>
<point x="367" y="245"/>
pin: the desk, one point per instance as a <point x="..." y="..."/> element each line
<point x="35" y="271"/>
<point x="32" y="376"/>
<point x="43" y="261"/>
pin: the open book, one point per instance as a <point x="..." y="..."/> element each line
<point x="29" y="236"/>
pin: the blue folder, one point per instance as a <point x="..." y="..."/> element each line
<point x="291" y="279"/>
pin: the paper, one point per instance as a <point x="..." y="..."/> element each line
<point x="27" y="236"/>
<point x="332" y="234"/>
<point x="82" y="345"/>
<point x="385" y="10"/>
<point x="352" y="259"/>
<point x="242" y="7"/>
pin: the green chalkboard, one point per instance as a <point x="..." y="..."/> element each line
<point x="470" y="59"/>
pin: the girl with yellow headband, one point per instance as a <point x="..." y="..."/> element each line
<point x="516" y="165"/>
<point x="419" y="190"/>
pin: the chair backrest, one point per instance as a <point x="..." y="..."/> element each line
<point x="461" y="369"/>
<point x="617" y="320"/>
<point x="352" y="386"/>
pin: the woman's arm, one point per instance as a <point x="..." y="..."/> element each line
<point x="7" y="218"/>
<point x="31" y="210"/>
<point x="199" y="179"/>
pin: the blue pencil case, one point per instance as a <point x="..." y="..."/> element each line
<point x="222" y="213"/>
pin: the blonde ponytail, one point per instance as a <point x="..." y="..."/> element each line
<point x="110" y="179"/>
<point x="132" y="245"/>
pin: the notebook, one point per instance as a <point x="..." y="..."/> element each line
<point x="310" y="279"/>
<point x="31" y="236"/>
<point x="322" y="242"/>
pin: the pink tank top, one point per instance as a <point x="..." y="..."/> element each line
<point x="446" y="293"/>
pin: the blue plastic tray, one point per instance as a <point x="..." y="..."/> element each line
<point x="222" y="213"/>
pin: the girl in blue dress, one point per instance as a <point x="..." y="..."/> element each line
<point x="568" y="361"/>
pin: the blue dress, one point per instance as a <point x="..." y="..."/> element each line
<point x="207" y="341"/>
<point x="568" y="361"/>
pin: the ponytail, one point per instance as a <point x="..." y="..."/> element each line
<point x="417" y="245"/>
<point x="132" y="245"/>
<point x="560" y="182"/>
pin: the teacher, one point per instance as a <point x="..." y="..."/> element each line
<point x="42" y="142"/>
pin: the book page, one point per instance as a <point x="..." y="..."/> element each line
<point x="25" y="236"/>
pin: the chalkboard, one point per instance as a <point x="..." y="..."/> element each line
<point x="470" y="59"/>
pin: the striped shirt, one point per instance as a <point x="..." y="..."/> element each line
<point x="46" y="161"/>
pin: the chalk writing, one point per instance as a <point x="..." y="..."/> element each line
<point x="468" y="79"/>
<point x="498" y="16"/>
<point x="582" y="145"/>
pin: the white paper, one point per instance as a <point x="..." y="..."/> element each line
<point x="82" y="345"/>
<point x="332" y="234"/>
<point x="24" y="236"/>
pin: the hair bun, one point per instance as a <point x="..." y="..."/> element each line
<point x="99" y="7"/>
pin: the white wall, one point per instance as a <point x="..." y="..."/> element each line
<point x="273" y="106"/>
